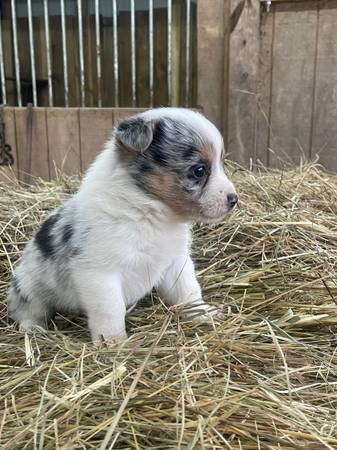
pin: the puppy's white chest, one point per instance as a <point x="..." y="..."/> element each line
<point x="146" y="263"/>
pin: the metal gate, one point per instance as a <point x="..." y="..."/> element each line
<point x="131" y="53"/>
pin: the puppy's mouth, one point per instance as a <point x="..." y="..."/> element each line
<point x="207" y="219"/>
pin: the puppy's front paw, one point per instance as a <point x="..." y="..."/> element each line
<point x="109" y="341"/>
<point x="202" y="312"/>
<point x="30" y="325"/>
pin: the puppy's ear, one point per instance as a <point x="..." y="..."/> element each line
<point x="135" y="134"/>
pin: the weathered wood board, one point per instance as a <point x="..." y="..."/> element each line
<point x="243" y="76"/>
<point x="95" y="128"/>
<point x="292" y="82"/>
<point x="324" y="138"/>
<point x="45" y="140"/>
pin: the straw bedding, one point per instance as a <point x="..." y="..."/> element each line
<point x="265" y="377"/>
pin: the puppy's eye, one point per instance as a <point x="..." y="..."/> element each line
<point x="199" y="171"/>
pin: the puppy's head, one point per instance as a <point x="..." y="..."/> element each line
<point x="175" y="156"/>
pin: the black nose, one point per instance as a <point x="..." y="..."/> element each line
<point x="232" y="200"/>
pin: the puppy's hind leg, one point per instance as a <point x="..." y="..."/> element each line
<point x="29" y="311"/>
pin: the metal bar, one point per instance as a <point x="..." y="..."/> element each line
<point x="2" y="68"/>
<point x="49" y="68"/>
<point x="133" y="52"/>
<point x="115" y="44"/>
<point x="151" y="53"/>
<point x="169" y="51"/>
<point x="65" y="58"/>
<point x="188" y="51"/>
<point x="80" y="40"/>
<point x="16" y="54"/>
<point x="98" y="54"/>
<point x="31" y="50"/>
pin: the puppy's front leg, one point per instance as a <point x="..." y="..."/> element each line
<point x="102" y="299"/>
<point x="180" y="287"/>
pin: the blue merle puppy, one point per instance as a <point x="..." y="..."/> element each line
<point x="127" y="229"/>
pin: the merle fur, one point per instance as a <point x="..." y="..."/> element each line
<point x="44" y="236"/>
<point x="173" y="149"/>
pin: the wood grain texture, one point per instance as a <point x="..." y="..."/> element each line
<point x="160" y="60"/>
<point x="293" y="81"/>
<point x="264" y="87"/>
<point x="324" y="139"/>
<point x="31" y="137"/>
<point x="210" y="38"/>
<point x="95" y="128"/>
<point x="20" y="115"/>
<point x="243" y="73"/>
<point x="64" y="140"/>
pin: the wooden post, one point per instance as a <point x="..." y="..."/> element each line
<point x="243" y="76"/>
<point x="211" y="26"/>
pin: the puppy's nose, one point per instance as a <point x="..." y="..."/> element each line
<point x="232" y="200"/>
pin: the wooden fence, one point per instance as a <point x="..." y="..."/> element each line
<point x="276" y="101"/>
<point x="104" y="88"/>
<point x="44" y="140"/>
<point x="270" y="86"/>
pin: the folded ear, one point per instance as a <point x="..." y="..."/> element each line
<point x="135" y="134"/>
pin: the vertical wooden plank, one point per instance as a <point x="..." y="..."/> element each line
<point x="142" y="57"/>
<point x="293" y="79"/>
<point x="40" y="150"/>
<point x="20" y="115"/>
<point x="56" y="57"/>
<point x="160" y="55"/>
<point x="41" y="61"/>
<point x="73" y="60"/>
<point x="95" y="129"/>
<point x="10" y="139"/>
<point x="108" y="76"/>
<point x="194" y="59"/>
<point x="324" y="141"/>
<point x="32" y="143"/>
<point x="89" y="56"/>
<point x="176" y="52"/>
<point x="243" y="71"/>
<point x="63" y="140"/>
<point x="124" y="56"/>
<point x="7" y="42"/>
<point x="264" y="86"/>
<point x="210" y="38"/>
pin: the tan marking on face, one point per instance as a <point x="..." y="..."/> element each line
<point x="165" y="187"/>
<point x="207" y="153"/>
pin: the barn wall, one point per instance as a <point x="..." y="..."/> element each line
<point x="106" y="85"/>
<point x="276" y="96"/>
<point x="44" y="140"/>
<point x="269" y="83"/>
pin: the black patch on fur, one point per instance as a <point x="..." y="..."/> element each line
<point x="190" y="152"/>
<point x="159" y="134"/>
<point x="44" y="238"/>
<point x="24" y="299"/>
<point x="67" y="233"/>
<point x="145" y="167"/>
<point x="158" y="155"/>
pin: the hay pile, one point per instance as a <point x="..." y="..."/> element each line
<point x="265" y="378"/>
